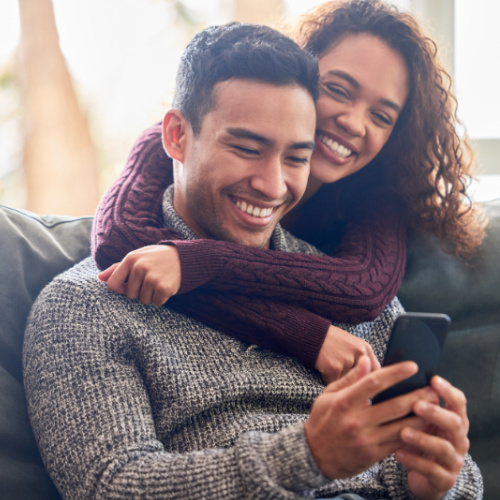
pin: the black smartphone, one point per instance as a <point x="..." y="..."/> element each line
<point x="415" y="337"/>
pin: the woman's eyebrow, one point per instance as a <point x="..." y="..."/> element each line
<point x="345" y="76"/>
<point x="391" y="104"/>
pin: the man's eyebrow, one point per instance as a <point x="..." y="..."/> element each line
<point x="349" y="78"/>
<point x="303" y="145"/>
<point x="243" y="133"/>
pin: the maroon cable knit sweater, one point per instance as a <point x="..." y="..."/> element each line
<point x="278" y="300"/>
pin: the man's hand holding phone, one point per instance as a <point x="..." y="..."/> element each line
<point x="434" y="456"/>
<point x="347" y="434"/>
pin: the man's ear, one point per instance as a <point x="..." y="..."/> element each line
<point x="176" y="131"/>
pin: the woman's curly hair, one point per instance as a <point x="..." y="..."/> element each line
<point x="430" y="165"/>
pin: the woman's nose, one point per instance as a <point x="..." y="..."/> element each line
<point x="353" y="121"/>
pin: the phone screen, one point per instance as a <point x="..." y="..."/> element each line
<point x="415" y="337"/>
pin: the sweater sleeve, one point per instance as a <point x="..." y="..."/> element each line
<point x="95" y="425"/>
<point x="352" y="286"/>
<point x="129" y="215"/>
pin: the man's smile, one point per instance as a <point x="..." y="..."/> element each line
<point x="253" y="209"/>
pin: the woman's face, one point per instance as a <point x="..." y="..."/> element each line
<point x="363" y="87"/>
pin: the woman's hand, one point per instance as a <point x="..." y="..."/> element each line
<point x="434" y="457"/>
<point x="151" y="274"/>
<point x="340" y="353"/>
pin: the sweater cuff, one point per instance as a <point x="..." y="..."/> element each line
<point x="199" y="263"/>
<point x="305" y="347"/>
<point x="279" y="461"/>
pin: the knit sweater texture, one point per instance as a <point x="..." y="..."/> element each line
<point x="235" y="283"/>
<point x="137" y="401"/>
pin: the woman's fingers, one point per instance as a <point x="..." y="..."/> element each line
<point x="105" y="275"/>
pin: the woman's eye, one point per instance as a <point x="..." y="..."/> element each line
<point x="336" y="91"/>
<point x="382" y="118"/>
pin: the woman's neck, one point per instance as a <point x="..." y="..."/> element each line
<point x="313" y="186"/>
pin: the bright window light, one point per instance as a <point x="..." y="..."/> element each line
<point x="477" y="66"/>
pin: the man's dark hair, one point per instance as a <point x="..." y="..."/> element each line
<point x="236" y="50"/>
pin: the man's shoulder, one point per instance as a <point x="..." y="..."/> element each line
<point x="81" y="275"/>
<point x="73" y="290"/>
<point x="77" y="299"/>
<point x="285" y="241"/>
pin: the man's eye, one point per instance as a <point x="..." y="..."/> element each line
<point x="299" y="160"/>
<point x="247" y="151"/>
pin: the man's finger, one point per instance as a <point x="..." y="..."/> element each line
<point x="377" y="381"/>
<point x="453" y="397"/>
<point x="439" y="477"/>
<point x="436" y="448"/>
<point x="400" y="406"/>
<point x="374" y="360"/>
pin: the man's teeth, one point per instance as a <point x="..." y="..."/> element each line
<point x="335" y="146"/>
<point x="251" y="210"/>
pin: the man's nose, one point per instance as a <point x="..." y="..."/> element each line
<point x="353" y="120"/>
<point x="269" y="178"/>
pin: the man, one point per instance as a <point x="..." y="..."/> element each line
<point x="136" y="401"/>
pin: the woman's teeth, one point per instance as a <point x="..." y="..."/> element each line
<point x="251" y="210"/>
<point x="335" y="146"/>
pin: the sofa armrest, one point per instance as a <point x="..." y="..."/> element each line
<point x="33" y="250"/>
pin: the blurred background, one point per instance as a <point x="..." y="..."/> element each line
<point x="81" y="79"/>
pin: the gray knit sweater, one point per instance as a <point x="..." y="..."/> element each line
<point x="135" y="401"/>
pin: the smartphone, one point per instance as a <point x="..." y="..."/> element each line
<point x="415" y="337"/>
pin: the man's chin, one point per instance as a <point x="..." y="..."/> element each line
<point x="255" y="240"/>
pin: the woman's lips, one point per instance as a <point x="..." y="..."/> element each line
<point x="335" y="150"/>
<point x="334" y="146"/>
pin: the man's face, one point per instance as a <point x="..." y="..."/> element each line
<point x="249" y="164"/>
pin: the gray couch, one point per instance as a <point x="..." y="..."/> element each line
<point x="33" y="249"/>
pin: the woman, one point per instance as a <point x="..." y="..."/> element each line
<point x="387" y="158"/>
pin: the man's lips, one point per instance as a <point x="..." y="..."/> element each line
<point x="255" y="212"/>
<point x="253" y="209"/>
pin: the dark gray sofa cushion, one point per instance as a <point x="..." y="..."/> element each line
<point x="33" y="250"/>
<point x="435" y="281"/>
